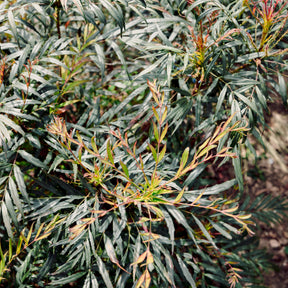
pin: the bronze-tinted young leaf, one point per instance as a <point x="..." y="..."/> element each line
<point x="94" y="146"/>
<point x="125" y="169"/>
<point x="156" y="114"/>
<point x="154" y="153"/>
<point x="162" y="153"/>
<point x="43" y="236"/>
<point x="147" y="279"/>
<point x="150" y="237"/>
<point x="206" y="150"/>
<point x="204" y="144"/>
<point x="150" y="258"/>
<point x="80" y="150"/>
<point x="140" y="281"/>
<point x="156" y="133"/>
<point x="164" y="132"/>
<point x="140" y="259"/>
<point x="111" y="252"/>
<point x="30" y="233"/>
<point x="109" y="152"/>
<point x="184" y="157"/>
<point x="179" y="196"/>
<point x="19" y="245"/>
<point x="164" y="115"/>
<point x="39" y="230"/>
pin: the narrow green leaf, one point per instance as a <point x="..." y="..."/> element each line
<point x="154" y="46"/>
<point x="22" y="58"/>
<point x="12" y="25"/>
<point x="104" y="272"/>
<point x="230" y="228"/>
<point x="235" y="110"/>
<point x="100" y="59"/>
<point x="169" y="68"/>
<point x="11" y="209"/>
<point x="151" y="67"/>
<point x="186" y="272"/>
<point x="261" y="97"/>
<point x="54" y="61"/>
<point x="194" y="174"/>
<point x="2" y="256"/>
<point x="94" y="282"/>
<point x="67" y="280"/>
<point x="87" y="281"/>
<point x="79" y="5"/>
<point x="247" y="57"/>
<point x="237" y="168"/>
<point x="10" y="123"/>
<point x="115" y="13"/>
<point x="247" y="102"/>
<point x="75" y="171"/>
<point x="204" y="230"/>
<point x="221" y="99"/>
<point x="3" y="179"/>
<point x="213" y="190"/>
<point x="4" y="134"/>
<point x="179" y="217"/>
<point x="14" y="195"/>
<point x="6" y="220"/>
<point x="282" y="88"/>
<point x="58" y="159"/>
<point x="120" y="55"/>
<point x="31" y="159"/>
<point x="171" y="227"/>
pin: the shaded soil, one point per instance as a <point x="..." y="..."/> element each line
<point x="273" y="238"/>
<point x="271" y="178"/>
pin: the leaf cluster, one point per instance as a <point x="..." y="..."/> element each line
<point x="110" y="112"/>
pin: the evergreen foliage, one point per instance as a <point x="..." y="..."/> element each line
<point x="110" y="112"/>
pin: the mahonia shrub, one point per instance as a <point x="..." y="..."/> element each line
<point x="110" y="113"/>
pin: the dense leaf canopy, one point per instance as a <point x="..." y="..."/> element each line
<point x="110" y="113"/>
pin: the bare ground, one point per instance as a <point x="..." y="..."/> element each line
<point x="272" y="179"/>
